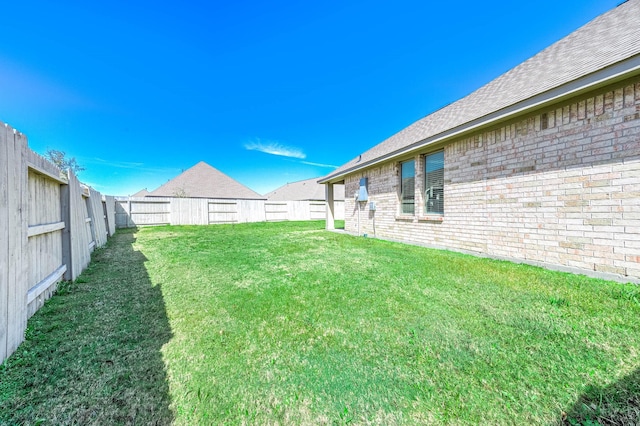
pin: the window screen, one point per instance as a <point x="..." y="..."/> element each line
<point x="434" y="183"/>
<point x="407" y="187"/>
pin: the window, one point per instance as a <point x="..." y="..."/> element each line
<point x="407" y="187"/>
<point x="434" y="183"/>
<point x="544" y="121"/>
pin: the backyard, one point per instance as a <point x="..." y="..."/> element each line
<point x="286" y="323"/>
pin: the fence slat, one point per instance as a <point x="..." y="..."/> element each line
<point x="97" y="217"/>
<point x="17" y="239"/>
<point x="4" y="248"/>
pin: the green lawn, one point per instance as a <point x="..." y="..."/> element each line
<point x="285" y="323"/>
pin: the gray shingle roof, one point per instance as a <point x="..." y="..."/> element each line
<point x="607" y="40"/>
<point x="308" y="189"/>
<point x="141" y="193"/>
<point x="204" y="181"/>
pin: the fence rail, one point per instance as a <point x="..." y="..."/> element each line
<point x="143" y="211"/>
<point x="49" y="224"/>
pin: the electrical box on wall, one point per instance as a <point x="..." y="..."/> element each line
<point x="372" y="206"/>
<point x="363" y="195"/>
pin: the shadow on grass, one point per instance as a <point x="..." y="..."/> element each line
<point x="92" y="354"/>
<point x="617" y="404"/>
<point x="338" y="224"/>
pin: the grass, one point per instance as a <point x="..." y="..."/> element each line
<point x="284" y="323"/>
<point x="92" y="354"/>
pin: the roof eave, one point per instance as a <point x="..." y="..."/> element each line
<point x="605" y="76"/>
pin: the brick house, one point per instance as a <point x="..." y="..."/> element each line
<point x="541" y="165"/>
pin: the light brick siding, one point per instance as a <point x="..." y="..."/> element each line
<point x="560" y="187"/>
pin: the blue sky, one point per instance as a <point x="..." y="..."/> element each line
<point x="266" y="92"/>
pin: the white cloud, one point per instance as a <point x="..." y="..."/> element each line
<point x="275" y="148"/>
<point x="328" y="166"/>
<point x="118" y="164"/>
<point x="140" y="167"/>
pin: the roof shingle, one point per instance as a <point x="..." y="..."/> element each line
<point x="142" y="193"/>
<point x="608" y="39"/>
<point x="308" y="189"/>
<point x="204" y="181"/>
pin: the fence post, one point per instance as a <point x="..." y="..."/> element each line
<point x="110" y="213"/>
<point x="91" y="218"/>
<point x="65" y="215"/>
<point x="130" y="223"/>
<point x="79" y="240"/>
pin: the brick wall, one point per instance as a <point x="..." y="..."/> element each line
<point x="559" y="187"/>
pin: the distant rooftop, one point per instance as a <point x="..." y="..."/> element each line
<point x="141" y="193"/>
<point x="308" y="189"/>
<point x="204" y="181"/>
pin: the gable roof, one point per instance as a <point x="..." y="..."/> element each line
<point x="308" y="189"/>
<point x="605" y="50"/>
<point x="204" y="181"/>
<point x="142" y="193"/>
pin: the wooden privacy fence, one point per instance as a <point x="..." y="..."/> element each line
<point x="141" y="211"/>
<point x="49" y="225"/>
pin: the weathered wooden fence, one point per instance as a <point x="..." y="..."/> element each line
<point x="49" y="225"/>
<point x="141" y="211"/>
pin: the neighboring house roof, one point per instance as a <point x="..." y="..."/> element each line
<point x="204" y="181"/>
<point x="141" y="193"/>
<point x="605" y="50"/>
<point x="308" y="189"/>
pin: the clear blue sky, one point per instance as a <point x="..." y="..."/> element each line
<point x="268" y="92"/>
